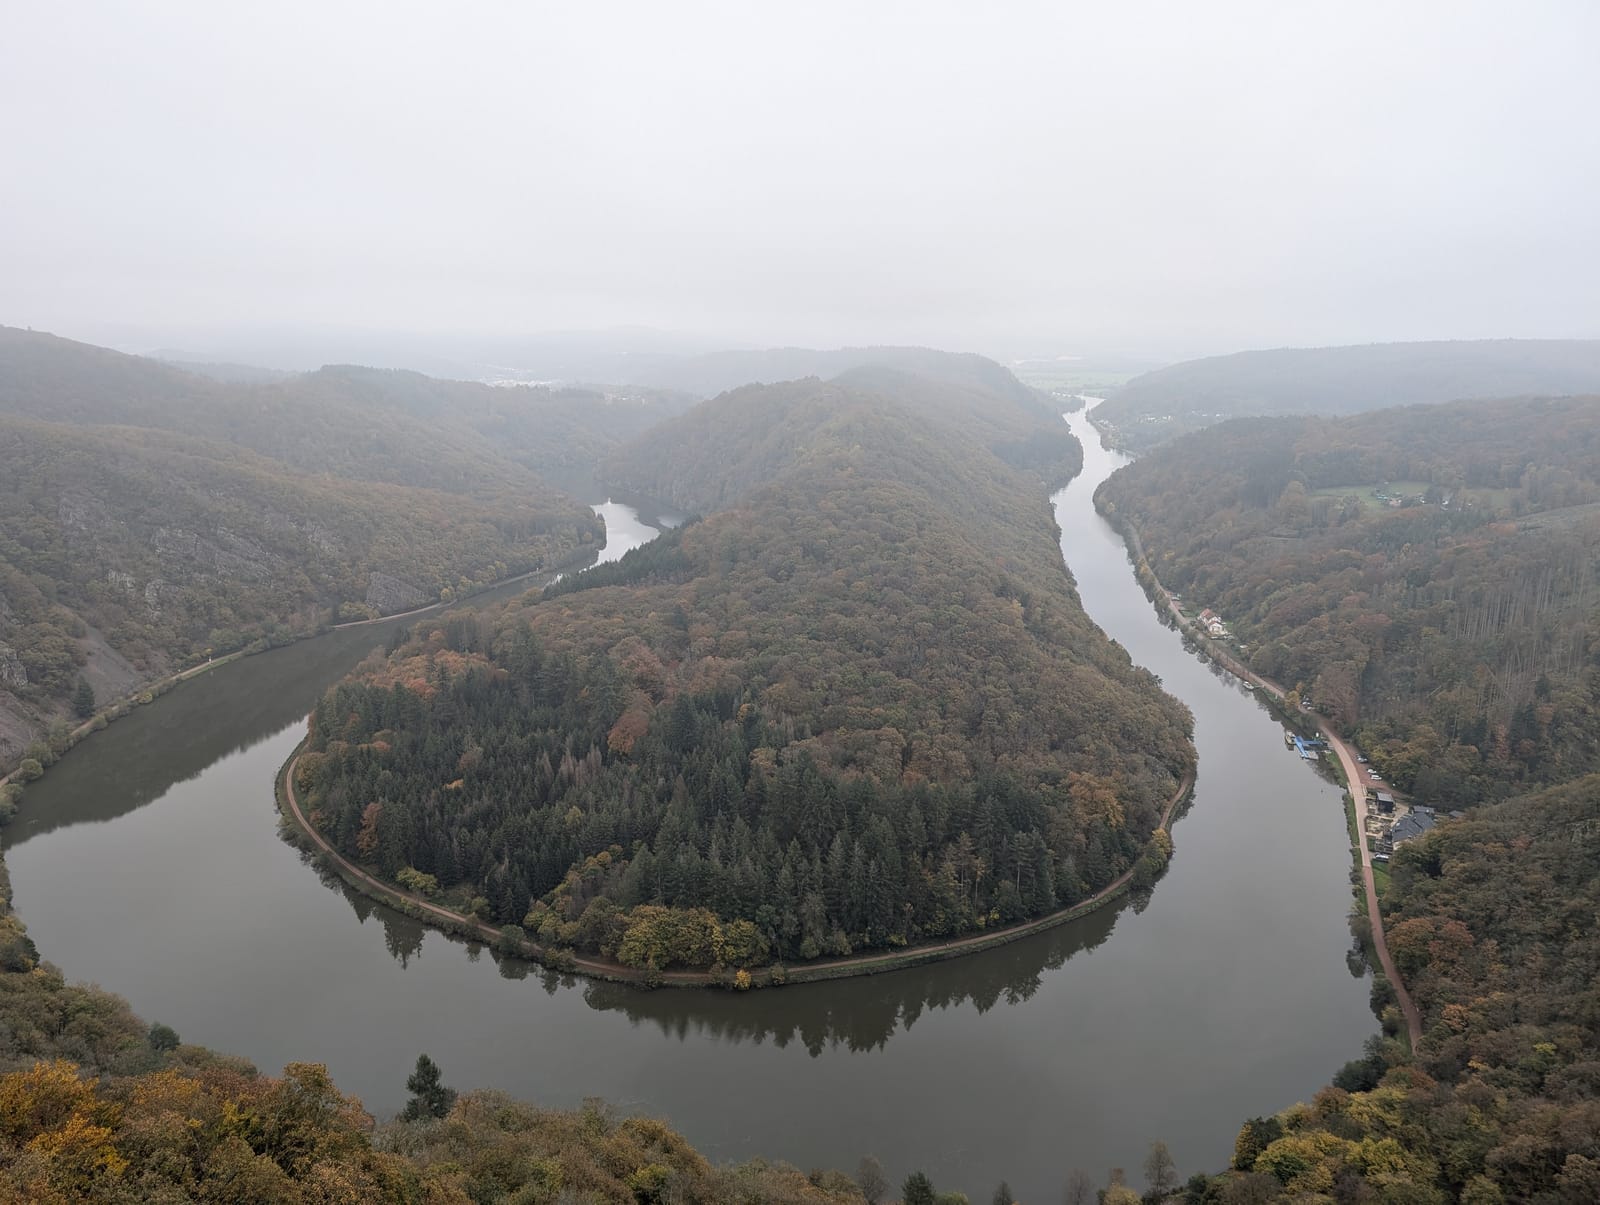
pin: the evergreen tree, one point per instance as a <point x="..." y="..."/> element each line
<point x="917" y="1190"/>
<point x="429" y="1097"/>
<point x="83" y="700"/>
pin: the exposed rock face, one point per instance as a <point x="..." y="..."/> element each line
<point x="389" y="594"/>
<point x="229" y="556"/>
<point x="12" y="672"/>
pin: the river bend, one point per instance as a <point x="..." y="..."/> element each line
<point x="148" y="861"/>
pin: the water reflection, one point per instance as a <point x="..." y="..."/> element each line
<point x="860" y="1014"/>
<point x="857" y="1014"/>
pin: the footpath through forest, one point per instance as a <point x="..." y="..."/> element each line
<point x="607" y="968"/>
<point x="1352" y="776"/>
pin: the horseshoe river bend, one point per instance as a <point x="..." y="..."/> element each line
<point x="148" y="861"/>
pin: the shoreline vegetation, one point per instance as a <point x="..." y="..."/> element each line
<point x="457" y="924"/>
<point x="13" y="782"/>
<point x="1374" y="942"/>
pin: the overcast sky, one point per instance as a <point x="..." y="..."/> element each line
<point x="1171" y="177"/>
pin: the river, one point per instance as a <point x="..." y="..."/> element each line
<point x="148" y="861"/>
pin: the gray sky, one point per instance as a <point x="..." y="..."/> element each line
<point x="1182" y="177"/>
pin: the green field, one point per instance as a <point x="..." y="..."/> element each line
<point x="1493" y="501"/>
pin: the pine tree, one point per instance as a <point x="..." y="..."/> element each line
<point x="83" y="700"/>
<point x="429" y="1097"/>
<point x="917" y="1190"/>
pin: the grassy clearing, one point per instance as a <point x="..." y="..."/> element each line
<point x="1380" y="878"/>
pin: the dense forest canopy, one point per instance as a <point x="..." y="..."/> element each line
<point x="857" y="705"/>
<point x="1426" y="576"/>
<point x="1168" y="402"/>
<point x="149" y="516"/>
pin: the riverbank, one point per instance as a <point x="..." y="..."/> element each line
<point x="148" y="692"/>
<point x="462" y="925"/>
<point x="1356" y="797"/>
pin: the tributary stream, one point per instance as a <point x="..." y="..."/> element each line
<point x="148" y="861"/>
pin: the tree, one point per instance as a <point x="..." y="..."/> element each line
<point x="83" y="700"/>
<point x="1160" y="1172"/>
<point x="1079" y="1190"/>
<point x="1002" y="1195"/>
<point x="429" y="1097"/>
<point x="163" y="1037"/>
<point x="871" y="1180"/>
<point x="1254" y="1137"/>
<point x="917" y="1190"/>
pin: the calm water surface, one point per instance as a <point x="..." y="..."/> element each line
<point x="148" y="861"/>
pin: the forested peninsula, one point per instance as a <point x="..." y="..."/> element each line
<point x="1426" y="577"/>
<point x="856" y="706"/>
<point x="150" y="518"/>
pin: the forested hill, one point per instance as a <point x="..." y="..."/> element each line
<point x="1426" y="575"/>
<point x="1335" y="381"/>
<point x="148" y="516"/>
<point x="359" y="423"/>
<point x="726" y="447"/>
<point x="858" y="706"/>
<point x="717" y="372"/>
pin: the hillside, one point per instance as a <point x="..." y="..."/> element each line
<point x="856" y="706"/>
<point x="713" y="455"/>
<point x="150" y="517"/>
<point x="358" y="423"/>
<point x="1169" y="402"/>
<point x="1448" y="623"/>
<point x="717" y="372"/>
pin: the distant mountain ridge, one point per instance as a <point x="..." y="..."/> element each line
<point x="717" y="372"/>
<point x="1161" y="405"/>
